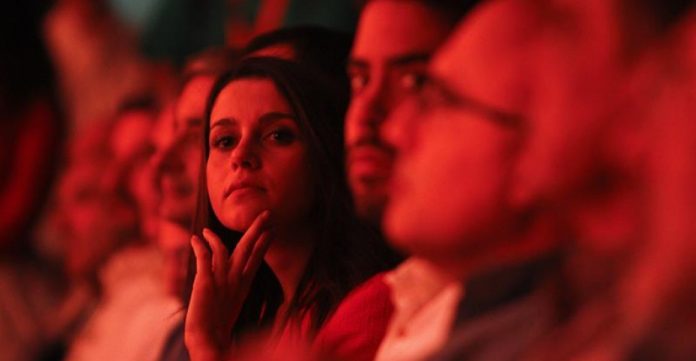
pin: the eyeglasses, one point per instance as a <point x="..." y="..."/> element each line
<point x="435" y="94"/>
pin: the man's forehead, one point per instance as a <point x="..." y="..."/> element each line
<point x="197" y="86"/>
<point x="193" y="99"/>
<point x="487" y="55"/>
<point x="392" y="28"/>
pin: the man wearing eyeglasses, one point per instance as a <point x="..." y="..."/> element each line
<point x="460" y="201"/>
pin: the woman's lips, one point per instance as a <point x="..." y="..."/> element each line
<point x="238" y="189"/>
<point x="245" y="191"/>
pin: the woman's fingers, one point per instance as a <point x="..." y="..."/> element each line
<point x="203" y="261"/>
<point x="219" y="255"/>
<point x="256" y="257"/>
<point x="245" y="246"/>
<point x="245" y="276"/>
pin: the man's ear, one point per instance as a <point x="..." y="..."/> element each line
<point x="562" y="120"/>
<point x="527" y="181"/>
<point x="554" y="159"/>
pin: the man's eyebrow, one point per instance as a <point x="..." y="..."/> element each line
<point x="402" y="59"/>
<point x="440" y="84"/>
<point x="194" y="122"/>
<point x="357" y="63"/>
<point x="410" y="58"/>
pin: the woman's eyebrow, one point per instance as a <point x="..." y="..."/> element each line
<point x="223" y="122"/>
<point x="274" y="116"/>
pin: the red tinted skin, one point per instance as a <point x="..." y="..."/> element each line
<point x="258" y="158"/>
<point x="393" y="43"/>
<point x="173" y="242"/>
<point x="180" y="162"/>
<point x="93" y="220"/>
<point x="259" y="161"/>
<point x="458" y="143"/>
<point x="131" y="172"/>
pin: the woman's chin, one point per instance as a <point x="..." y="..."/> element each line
<point x="241" y="221"/>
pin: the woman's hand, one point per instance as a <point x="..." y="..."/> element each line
<point x="220" y="287"/>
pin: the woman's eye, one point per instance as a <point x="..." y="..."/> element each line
<point x="412" y="81"/>
<point x="223" y="142"/>
<point x="281" y="136"/>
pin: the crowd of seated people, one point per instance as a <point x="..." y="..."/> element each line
<point x="457" y="180"/>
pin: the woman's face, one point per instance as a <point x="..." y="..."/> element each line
<point x="258" y="157"/>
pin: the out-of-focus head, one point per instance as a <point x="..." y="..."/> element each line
<point x="660" y="289"/>
<point x="626" y="185"/>
<point x="394" y="40"/>
<point x="508" y="106"/>
<point x="588" y="152"/>
<point x="643" y="84"/>
<point x="459" y="143"/>
<point x="91" y="219"/>
<point x="130" y="172"/>
<point x="163" y="131"/>
<point x="173" y="242"/>
<point x="178" y="161"/>
<point x="31" y="128"/>
<point x="31" y="145"/>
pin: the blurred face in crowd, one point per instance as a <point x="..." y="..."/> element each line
<point x="589" y="141"/>
<point x="173" y="241"/>
<point x="162" y="136"/>
<point x="131" y="172"/>
<point x="258" y="157"/>
<point x="172" y="237"/>
<point x="93" y="221"/>
<point x="606" y="211"/>
<point x="458" y="142"/>
<point x="180" y="163"/>
<point x="393" y="43"/>
<point x="81" y="209"/>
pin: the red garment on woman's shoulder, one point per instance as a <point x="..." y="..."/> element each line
<point x="355" y="331"/>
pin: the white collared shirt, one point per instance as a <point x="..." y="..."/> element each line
<point x="425" y="304"/>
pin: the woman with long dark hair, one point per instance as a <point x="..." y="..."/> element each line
<point x="274" y="208"/>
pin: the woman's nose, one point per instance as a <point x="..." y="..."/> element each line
<point x="245" y="155"/>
